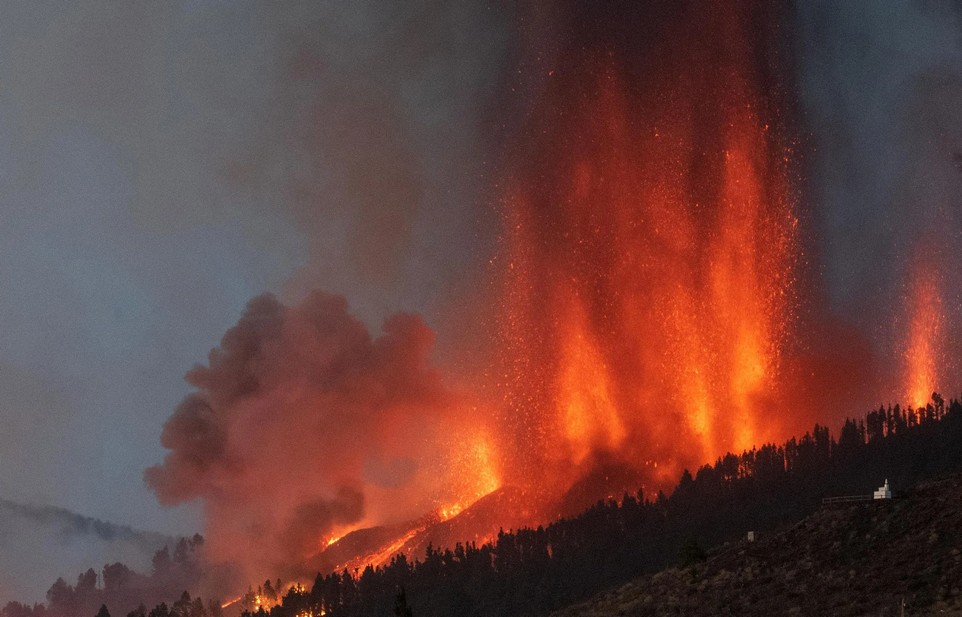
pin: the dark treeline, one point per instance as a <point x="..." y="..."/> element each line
<point x="533" y="571"/>
<point x="121" y="589"/>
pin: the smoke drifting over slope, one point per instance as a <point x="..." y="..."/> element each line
<point x="303" y="424"/>
<point x="162" y="163"/>
<point x="32" y="534"/>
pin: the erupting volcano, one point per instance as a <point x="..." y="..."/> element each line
<point x="643" y="289"/>
<point x="649" y="305"/>
<point x="567" y="270"/>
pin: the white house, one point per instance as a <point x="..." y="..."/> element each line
<point x="884" y="492"/>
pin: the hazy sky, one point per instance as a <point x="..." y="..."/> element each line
<point x="163" y="162"/>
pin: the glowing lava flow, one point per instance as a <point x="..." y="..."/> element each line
<point x="450" y="511"/>
<point x="649" y="248"/>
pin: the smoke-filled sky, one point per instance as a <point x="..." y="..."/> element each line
<point x="163" y="163"/>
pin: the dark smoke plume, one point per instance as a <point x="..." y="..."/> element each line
<point x="302" y="423"/>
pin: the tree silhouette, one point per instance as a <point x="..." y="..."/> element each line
<point x="692" y="553"/>
<point x="401" y="608"/>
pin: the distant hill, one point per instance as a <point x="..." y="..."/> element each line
<point x="861" y="559"/>
<point x="38" y="544"/>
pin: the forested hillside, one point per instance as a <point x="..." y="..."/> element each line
<point x="536" y="571"/>
<point x="869" y="558"/>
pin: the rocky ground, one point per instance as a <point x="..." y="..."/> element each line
<point x="858" y="559"/>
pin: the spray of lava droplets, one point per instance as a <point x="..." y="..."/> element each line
<point x="924" y="353"/>
<point x="649" y="251"/>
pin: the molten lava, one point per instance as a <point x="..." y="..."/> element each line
<point x="649" y="248"/>
<point x="924" y="352"/>
<point x="477" y="469"/>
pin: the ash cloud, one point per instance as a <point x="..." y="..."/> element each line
<point x="371" y="136"/>
<point x="293" y="410"/>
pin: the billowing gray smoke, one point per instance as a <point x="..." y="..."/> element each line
<point x="302" y="423"/>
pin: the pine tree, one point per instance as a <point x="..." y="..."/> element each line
<point x="401" y="608"/>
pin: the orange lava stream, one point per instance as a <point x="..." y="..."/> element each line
<point x="382" y="556"/>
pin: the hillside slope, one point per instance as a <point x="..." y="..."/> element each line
<point x="40" y="543"/>
<point x="860" y="559"/>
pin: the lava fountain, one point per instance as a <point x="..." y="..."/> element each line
<point x="924" y="352"/>
<point x="649" y="249"/>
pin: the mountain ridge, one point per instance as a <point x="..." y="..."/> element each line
<point x="39" y="543"/>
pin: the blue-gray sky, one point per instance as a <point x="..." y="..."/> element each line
<point x="162" y="163"/>
<point x="879" y="83"/>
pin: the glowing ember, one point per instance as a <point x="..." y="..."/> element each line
<point x="587" y="410"/>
